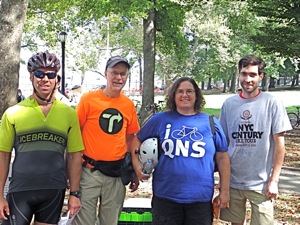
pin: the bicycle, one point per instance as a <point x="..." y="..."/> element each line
<point x="152" y="107"/>
<point x="295" y="117"/>
<point x="185" y="131"/>
<point x="138" y="106"/>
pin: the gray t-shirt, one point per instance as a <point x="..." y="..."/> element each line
<point x="250" y="125"/>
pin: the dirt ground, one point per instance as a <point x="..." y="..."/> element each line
<point x="292" y="144"/>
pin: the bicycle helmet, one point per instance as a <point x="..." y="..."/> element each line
<point x="43" y="60"/>
<point x="149" y="150"/>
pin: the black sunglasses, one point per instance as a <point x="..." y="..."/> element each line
<point x="41" y="75"/>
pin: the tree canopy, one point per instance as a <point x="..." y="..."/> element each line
<point x="281" y="25"/>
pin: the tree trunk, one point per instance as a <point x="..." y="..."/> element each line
<point x="293" y="80"/>
<point x="12" y="18"/>
<point x="265" y="82"/>
<point x="234" y="81"/>
<point x="272" y="82"/>
<point x="297" y="79"/>
<point x="149" y="63"/>
<point x="224" y="85"/>
<point x="202" y="85"/>
<point x="141" y="74"/>
<point x="209" y="84"/>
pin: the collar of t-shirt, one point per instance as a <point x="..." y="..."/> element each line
<point x="241" y="95"/>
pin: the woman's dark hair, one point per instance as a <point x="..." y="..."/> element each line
<point x="200" y="101"/>
<point x="252" y="60"/>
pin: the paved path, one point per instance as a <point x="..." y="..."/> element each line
<point x="289" y="180"/>
<point x="289" y="98"/>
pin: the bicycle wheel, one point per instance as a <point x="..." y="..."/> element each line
<point x="196" y="136"/>
<point x="178" y="134"/>
<point x="293" y="119"/>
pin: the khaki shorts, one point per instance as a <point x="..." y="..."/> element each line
<point x="109" y="191"/>
<point x="262" y="211"/>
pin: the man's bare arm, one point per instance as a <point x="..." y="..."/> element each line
<point x="4" y="170"/>
<point x="278" y="158"/>
<point x="74" y="174"/>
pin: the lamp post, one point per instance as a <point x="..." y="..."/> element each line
<point x="62" y="37"/>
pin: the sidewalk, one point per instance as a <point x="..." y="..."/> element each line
<point x="288" y="98"/>
<point x="289" y="180"/>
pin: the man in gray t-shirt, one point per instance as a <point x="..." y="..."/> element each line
<point x="254" y="123"/>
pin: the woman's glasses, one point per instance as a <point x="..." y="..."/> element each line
<point x="41" y="75"/>
<point x="188" y="92"/>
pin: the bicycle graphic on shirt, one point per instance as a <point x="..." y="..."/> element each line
<point x="187" y="131"/>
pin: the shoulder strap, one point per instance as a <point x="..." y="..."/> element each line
<point x="212" y="124"/>
<point x="213" y="131"/>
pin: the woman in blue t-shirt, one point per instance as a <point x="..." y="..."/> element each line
<point x="183" y="179"/>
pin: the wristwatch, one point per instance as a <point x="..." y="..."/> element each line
<point x="76" y="193"/>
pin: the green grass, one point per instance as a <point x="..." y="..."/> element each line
<point x="212" y="111"/>
<point x="216" y="112"/>
<point x="292" y="109"/>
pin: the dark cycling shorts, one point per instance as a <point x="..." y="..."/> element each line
<point x="45" y="205"/>
<point x="166" y="212"/>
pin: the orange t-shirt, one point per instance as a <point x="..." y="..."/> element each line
<point x="104" y="124"/>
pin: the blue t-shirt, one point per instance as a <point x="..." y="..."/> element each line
<point x="185" y="169"/>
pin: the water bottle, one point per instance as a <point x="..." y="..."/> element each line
<point x="148" y="167"/>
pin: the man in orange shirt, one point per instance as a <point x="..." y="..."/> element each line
<point x="108" y="121"/>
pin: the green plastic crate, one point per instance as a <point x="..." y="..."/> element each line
<point x="135" y="217"/>
<point x="136" y="211"/>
